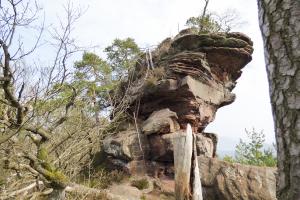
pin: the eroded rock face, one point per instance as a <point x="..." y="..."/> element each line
<point x="191" y="77"/>
<point x="129" y="145"/>
<point x="162" y="145"/>
<point x="162" y="121"/>
<point x="206" y="144"/>
<point x="225" y="181"/>
<point x="126" y="145"/>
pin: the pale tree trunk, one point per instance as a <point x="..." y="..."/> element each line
<point x="57" y="194"/>
<point x="183" y="150"/>
<point x="187" y="175"/>
<point x="280" y="27"/>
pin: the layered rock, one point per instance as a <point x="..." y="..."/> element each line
<point x="191" y="77"/>
<point x="187" y="80"/>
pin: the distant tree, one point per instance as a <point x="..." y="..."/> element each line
<point x="122" y="55"/>
<point x="280" y="28"/>
<point x="92" y="78"/>
<point x="253" y="152"/>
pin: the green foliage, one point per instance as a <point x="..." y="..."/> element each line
<point x="122" y="55"/>
<point x="252" y="152"/>
<point x="210" y="22"/>
<point x="140" y="184"/>
<point x="95" y="77"/>
<point x="206" y="24"/>
<point x="92" y="68"/>
<point x="92" y="80"/>
<point x="143" y="197"/>
<point x="229" y="159"/>
<point x="51" y="173"/>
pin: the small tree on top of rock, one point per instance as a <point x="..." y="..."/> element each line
<point x="209" y="22"/>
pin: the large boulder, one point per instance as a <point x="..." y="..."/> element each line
<point x="226" y="181"/>
<point x="126" y="145"/>
<point x="162" y="121"/>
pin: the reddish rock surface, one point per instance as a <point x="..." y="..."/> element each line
<point x="191" y="77"/>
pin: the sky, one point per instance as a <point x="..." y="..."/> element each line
<point x="151" y="21"/>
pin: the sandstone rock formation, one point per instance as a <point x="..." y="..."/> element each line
<point x="223" y="180"/>
<point x="187" y="80"/>
<point x="191" y="77"/>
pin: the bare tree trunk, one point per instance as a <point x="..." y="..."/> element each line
<point x="280" y="27"/>
<point x="97" y="119"/>
<point x="187" y="176"/>
<point x="197" y="186"/>
<point x="183" y="150"/>
<point x="203" y="15"/>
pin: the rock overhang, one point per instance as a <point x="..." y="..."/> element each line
<point x="224" y="52"/>
<point x="197" y="75"/>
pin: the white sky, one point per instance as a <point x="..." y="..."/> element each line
<point x="151" y="21"/>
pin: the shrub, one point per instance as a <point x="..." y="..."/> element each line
<point x="140" y="184"/>
<point x="253" y="152"/>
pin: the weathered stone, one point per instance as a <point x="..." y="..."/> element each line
<point x="226" y="181"/>
<point x="220" y="180"/>
<point x="124" y="192"/>
<point x="199" y="74"/>
<point x="193" y="101"/>
<point x="214" y="93"/>
<point x="162" y="121"/>
<point x="126" y="145"/>
<point x="161" y="146"/>
<point x="226" y="53"/>
<point x="206" y="144"/>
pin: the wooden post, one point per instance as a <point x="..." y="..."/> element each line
<point x="186" y="166"/>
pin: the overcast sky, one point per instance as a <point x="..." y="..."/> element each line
<point x="151" y="21"/>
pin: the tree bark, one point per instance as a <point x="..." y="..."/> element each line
<point x="280" y="27"/>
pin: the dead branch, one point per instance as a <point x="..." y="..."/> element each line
<point x="203" y="14"/>
<point x="20" y="191"/>
<point x="72" y="188"/>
